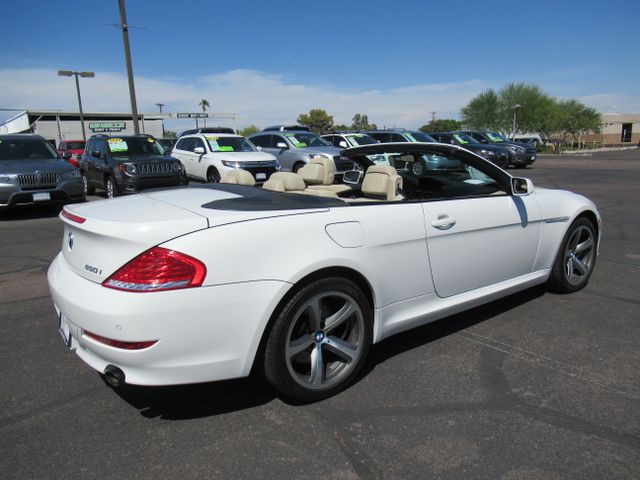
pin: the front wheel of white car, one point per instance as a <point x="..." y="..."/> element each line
<point x="319" y="341"/>
<point x="575" y="259"/>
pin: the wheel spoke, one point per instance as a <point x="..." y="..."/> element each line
<point x="569" y="268"/>
<point x="576" y="262"/>
<point x="584" y="246"/>
<point x="339" y="317"/>
<point x="299" y="345"/>
<point x="344" y="350"/>
<point x="317" y="366"/>
<point x="315" y="315"/>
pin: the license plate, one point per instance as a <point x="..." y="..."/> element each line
<point x="41" y="196"/>
<point x="261" y="176"/>
<point x="63" y="328"/>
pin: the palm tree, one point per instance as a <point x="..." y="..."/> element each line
<point x="204" y="104"/>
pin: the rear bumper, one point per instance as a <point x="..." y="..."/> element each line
<point x="203" y="334"/>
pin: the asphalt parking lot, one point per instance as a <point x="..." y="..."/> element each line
<point x="534" y="386"/>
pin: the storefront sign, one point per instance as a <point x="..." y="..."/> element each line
<point x="98" y="127"/>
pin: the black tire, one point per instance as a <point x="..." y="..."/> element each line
<point x="575" y="259"/>
<point x="213" y="176"/>
<point x="110" y="187"/>
<point x="300" y="334"/>
<point x="297" y="167"/>
<point x="88" y="189"/>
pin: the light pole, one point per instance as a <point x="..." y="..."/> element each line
<point x="515" y="109"/>
<point x="127" y="56"/>
<point x="69" y="73"/>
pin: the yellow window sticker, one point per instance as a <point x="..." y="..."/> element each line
<point x="150" y="140"/>
<point x="117" y="145"/>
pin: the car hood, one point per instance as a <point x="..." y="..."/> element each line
<point x="143" y="158"/>
<point x="328" y="149"/>
<point x="53" y="165"/>
<point x="246" y="156"/>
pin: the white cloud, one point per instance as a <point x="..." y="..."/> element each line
<point x="258" y="98"/>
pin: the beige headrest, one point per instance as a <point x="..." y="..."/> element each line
<point x="382" y="181"/>
<point x="319" y="171"/>
<point x="284" y="182"/>
<point x="238" y="177"/>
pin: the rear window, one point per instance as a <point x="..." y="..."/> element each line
<point x="75" y="145"/>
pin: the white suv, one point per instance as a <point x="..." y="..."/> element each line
<point x="209" y="156"/>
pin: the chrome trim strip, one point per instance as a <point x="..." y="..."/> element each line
<point x="556" y="220"/>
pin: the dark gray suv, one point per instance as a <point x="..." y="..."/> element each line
<point x="128" y="164"/>
<point x="32" y="173"/>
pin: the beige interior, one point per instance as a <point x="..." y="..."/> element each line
<point x="381" y="182"/>
<point x="238" y="177"/>
<point x="319" y="174"/>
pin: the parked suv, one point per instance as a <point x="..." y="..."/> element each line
<point x="127" y="164"/>
<point x="400" y="135"/>
<point x="295" y="148"/>
<point x="32" y="173"/>
<point x="208" y="157"/>
<point x="493" y="153"/>
<point x="71" y="151"/>
<point x="520" y="154"/>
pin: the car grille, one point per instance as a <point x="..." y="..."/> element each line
<point x="154" y="168"/>
<point x="38" y="180"/>
<point x="343" y="164"/>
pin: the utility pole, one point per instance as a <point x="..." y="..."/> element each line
<point x="127" y="56"/>
<point x="160" y="105"/>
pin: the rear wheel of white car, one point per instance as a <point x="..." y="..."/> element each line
<point x="319" y="341"/>
<point x="213" y="176"/>
<point x="575" y="259"/>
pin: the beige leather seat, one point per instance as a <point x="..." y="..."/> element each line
<point x="319" y="174"/>
<point x="292" y="183"/>
<point x="238" y="177"/>
<point x="381" y="182"/>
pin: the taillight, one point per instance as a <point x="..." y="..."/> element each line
<point x="119" y="343"/>
<point x="156" y="270"/>
<point x="72" y="217"/>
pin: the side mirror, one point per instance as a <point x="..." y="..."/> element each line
<point x="95" y="153"/>
<point x="352" y="177"/>
<point x="521" y="187"/>
<point x="343" y="144"/>
<point x="282" y="145"/>
<point x="199" y="150"/>
<point x="65" y="155"/>
<point x="259" y="148"/>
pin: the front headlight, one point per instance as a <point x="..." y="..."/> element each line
<point x="320" y="155"/>
<point x="6" y="179"/>
<point x="231" y="163"/>
<point x="517" y="149"/>
<point x="487" y="153"/>
<point x="130" y="168"/>
<point x="71" y="174"/>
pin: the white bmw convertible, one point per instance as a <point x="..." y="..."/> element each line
<point x="299" y="278"/>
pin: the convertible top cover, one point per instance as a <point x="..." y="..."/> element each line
<point x="251" y="199"/>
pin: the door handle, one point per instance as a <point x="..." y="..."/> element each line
<point x="444" y="222"/>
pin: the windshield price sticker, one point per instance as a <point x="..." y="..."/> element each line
<point x="117" y="145"/>
<point x="226" y="148"/>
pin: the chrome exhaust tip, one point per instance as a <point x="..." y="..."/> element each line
<point x="114" y="376"/>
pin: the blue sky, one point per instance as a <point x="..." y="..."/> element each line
<point x="270" y="61"/>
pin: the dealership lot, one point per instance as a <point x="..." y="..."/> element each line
<point x="534" y="386"/>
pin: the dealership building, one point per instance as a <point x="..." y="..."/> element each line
<point x="56" y="125"/>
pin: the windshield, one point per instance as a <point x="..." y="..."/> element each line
<point x="463" y="138"/>
<point x="135" y="146"/>
<point x="27" y="149"/>
<point x="496" y="137"/>
<point x="360" y="139"/>
<point x="306" y="139"/>
<point x="75" y="145"/>
<point x="420" y="137"/>
<point x="229" y="144"/>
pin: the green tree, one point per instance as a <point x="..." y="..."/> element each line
<point x="573" y="118"/>
<point x="528" y="105"/>
<point x="204" y="104"/>
<point x="246" y="131"/>
<point x="483" y="111"/>
<point x="441" y="125"/>
<point x="361" y="122"/>
<point x="317" y="119"/>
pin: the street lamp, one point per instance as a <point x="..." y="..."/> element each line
<point x="515" y="109"/>
<point x="160" y="105"/>
<point x="69" y="73"/>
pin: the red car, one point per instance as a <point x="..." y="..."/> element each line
<point x="71" y="151"/>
